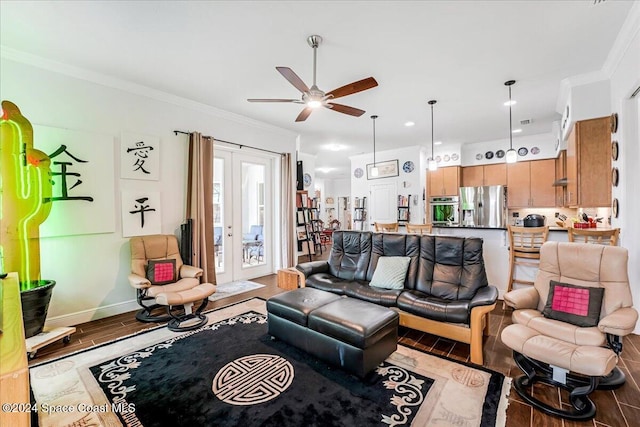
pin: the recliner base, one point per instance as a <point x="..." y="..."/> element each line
<point x="579" y="388"/>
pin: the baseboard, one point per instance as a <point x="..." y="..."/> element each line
<point x="92" y="314"/>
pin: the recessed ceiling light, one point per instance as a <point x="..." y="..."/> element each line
<point x="437" y="143"/>
<point x="512" y="102"/>
<point x="336" y="147"/>
<point x="409" y="124"/>
<point x="516" y="131"/>
<point x="324" y="170"/>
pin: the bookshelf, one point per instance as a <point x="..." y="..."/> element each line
<point x="359" y="213"/>
<point x="404" y="211"/>
<point x="304" y="227"/>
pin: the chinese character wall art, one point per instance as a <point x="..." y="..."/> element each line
<point x="25" y="200"/>
<point x="141" y="213"/>
<point x="139" y="156"/>
<point x="83" y="192"/>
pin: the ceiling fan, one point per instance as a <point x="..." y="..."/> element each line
<point x="314" y="97"/>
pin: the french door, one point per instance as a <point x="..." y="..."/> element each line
<point x="243" y="205"/>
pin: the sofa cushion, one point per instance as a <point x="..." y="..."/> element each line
<point x="391" y="272"/>
<point x="381" y="296"/>
<point x="395" y="245"/>
<point x="451" y="268"/>
<point x="561" y="330"/>
<point x="327" y="282"/>
<point x="578" y="305"/>
<point x="350" y="255"/>
<point x="425" y="305"/>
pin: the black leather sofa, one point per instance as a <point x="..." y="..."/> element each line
<point x="445" y="290"/>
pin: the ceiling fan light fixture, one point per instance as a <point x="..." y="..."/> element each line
<point x="432" y="164"/>
<point x="314" y="104"/>
<point x="511" y="154"/>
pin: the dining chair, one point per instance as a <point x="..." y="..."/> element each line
<point x="591" y="235"/>
<point x="386" y="226"/>
<point x="419" y="228"/>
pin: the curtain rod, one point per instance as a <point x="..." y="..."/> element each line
<point x="228" y="142"/>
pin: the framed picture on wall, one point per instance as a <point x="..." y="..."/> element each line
<point x="385" y="169"/>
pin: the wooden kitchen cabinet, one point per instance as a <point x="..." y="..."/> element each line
<point x="477" y="176"/>
<point x="444" y="181"/>
<point x="561" y="174"/>
<point x="589" y="163"/>
<point x="530" y="184"/>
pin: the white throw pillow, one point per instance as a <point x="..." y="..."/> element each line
<point x="390" y="272"/>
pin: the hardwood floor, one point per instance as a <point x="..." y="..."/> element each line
<point x="615" y="408"/>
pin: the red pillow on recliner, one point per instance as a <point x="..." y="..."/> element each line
<point x="578" y="305"/>
<point x="161" y="271"/>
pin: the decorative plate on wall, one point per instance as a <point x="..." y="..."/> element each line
<point x="614" y="150"/>
<point x="522" y="151"/>
<point x="615" y="176"/>
<point x="454" y="157"/>
<point x="500" y="154"/>
<point x="615" y="208"/>
<point x="488" y="155"/>
<point x="408" y="166"/>
<point x="479" y="156"/>
<point x="614" y="123"/>
<point x="306" y="179"/>
<point x="438" y="159"/>
<point x="446" y="158"/>
<point x="535" y="150"/>
<point x="358" y="172"/>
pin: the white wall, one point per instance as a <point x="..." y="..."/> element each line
<point x="625" y="78"/>
<point x="406" y="183"/>
<point x="91" y="270"/>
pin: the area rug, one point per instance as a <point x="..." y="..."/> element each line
<point x="234" y="288"/>
<point x="230" y="373"/>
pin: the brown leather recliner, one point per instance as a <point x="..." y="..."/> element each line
<point x="559" y="352"/>
<point x="182" y="291"/>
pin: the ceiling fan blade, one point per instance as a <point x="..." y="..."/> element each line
<point x="293" y="78"/>
<point x="304" y="114"/>
<point x="354" y="87"/>
<point x="345" y="109"/>
<point x="273" y="100"/>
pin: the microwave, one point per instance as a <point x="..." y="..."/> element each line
<point x="444" y="210"/>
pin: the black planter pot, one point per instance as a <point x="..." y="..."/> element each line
<point x="35" y="303"/>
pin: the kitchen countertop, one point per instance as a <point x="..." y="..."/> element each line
<point x="552" y="228"/>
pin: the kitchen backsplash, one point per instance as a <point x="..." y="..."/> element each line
<point x="550" y="214"/>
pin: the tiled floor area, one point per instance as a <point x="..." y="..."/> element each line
<point x="615" y="408"/>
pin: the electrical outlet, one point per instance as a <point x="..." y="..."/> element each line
<point x="557" y="214"/>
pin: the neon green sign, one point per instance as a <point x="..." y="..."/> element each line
<point x="25" y="184"/>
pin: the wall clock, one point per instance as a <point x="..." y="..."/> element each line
<point x="307" y="180"/>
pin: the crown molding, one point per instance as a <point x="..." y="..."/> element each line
<point x="627" y="33"/>
<point x="133" y="88"/>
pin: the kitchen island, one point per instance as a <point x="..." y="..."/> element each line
<point x="496" y="251"/>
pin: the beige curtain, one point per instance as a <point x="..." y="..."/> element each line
<point x="200" y="203"/>
<point x="289" y="245"/>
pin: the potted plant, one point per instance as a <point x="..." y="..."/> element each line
<point x="25" y="200"/>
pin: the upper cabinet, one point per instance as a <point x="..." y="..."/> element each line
<point x="589" y="164"/>
<point x="478" y="176"/>
<point x="444" y="181"/>
<point x="530" y="184"/>
<point x="561" y="179"/>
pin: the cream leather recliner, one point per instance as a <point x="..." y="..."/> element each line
<point x="577" y="358"/>
<point x="179" y="293"/>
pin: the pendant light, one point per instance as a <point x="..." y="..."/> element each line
<point x="433" y="165"/>
<point x="374" y="169"/>
<point x="512" y="155"/>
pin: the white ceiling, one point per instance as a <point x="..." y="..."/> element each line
<point x="221" y="53"/>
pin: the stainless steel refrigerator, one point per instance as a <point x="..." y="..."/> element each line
<point x="483" y="206"/>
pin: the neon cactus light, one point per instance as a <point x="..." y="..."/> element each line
<point x="25" y="196"/>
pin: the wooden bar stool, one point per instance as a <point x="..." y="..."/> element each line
<point x="592" y="235"/>
<point x="386" y="227"/>
<point x="524" y="249"/>
<point x="419" y="228"/>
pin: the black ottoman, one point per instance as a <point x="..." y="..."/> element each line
<point x="353" y="334"/>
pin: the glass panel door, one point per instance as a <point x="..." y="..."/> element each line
<point x="242" y="211"/>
